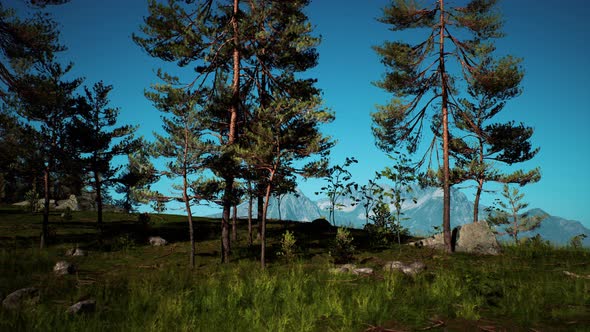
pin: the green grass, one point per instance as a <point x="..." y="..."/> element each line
<point x="143" y="288"/>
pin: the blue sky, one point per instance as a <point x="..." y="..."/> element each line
<point x="552" y="38"/>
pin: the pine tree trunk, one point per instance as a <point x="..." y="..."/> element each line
<point x="232" y="136"/>
<point x="189" y="216"/>
<point x="186" y="198"/>
<point x="445" y="123"/>
<point x="260" y="208"/>
<point x="476" y="203"/>
<point x="263" y="224"/>
<point x="45" y="225"/>
<point x="225" y="239"/>
<point x="250" y="203"/>
<point x="98" y="189"/>
<point x="234" y="234"/>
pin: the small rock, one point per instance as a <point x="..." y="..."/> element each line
<point x="63" y="268"/>
<point x="346" y="268"/>
<point x="75" y="252"/>
<point x="157" y="241"/>
<point x="363" y="271"/>
<point x="21" y="297"/>
<point x="82" y="307"/>
<point x="411" y="269"/>
<point x="393" y="266"/>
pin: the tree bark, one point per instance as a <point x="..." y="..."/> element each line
<point x="259" y="213"/>
<point x="476" y="203"/>
<point x="225" y="240"/>
<point x="234" y="234"/>
<point x="98" y="189"/>
<point x="45" y="225"/>
<point x="233" y="110"/>
<point x="445" y="123"/>
<point x="186" y="198"/>
<point x="189" y="216"/>
<point x="250" y="203"/>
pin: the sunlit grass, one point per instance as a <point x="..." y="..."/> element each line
<point x="142" y="288"/>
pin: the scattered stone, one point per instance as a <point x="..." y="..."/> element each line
<point x="62" y="268"/>
<point x="82" y="307"/>
<point x="157" y="241"/>
<point x="436" y="241"/>
<point x="21" y="297"/>
<point x="477" y="238"/>
<point x="412" y="269"/>
<point x="76" y="252"/>
<point x="363" y="271"/>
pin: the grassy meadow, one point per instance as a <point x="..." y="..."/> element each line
<point x="142" y="288"/>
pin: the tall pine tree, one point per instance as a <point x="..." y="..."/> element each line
<point x="418" y="75"/>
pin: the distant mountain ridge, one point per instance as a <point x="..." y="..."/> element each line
<point x="423" y="216"/>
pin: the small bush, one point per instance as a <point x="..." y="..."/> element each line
<point x="287" y="246"/>
<point x="576" y="242"/>
<point x="143" y="218"/>
<point x="343" y="249"/>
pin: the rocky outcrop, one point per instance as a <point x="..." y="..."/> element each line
<point x="20" y="298"/>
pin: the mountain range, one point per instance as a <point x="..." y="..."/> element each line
<point x="422" y="208"/>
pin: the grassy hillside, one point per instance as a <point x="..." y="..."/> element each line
<point x="142" y="288"/>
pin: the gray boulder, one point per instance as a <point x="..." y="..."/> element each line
<point x="20" y="298"/>
<point x="157" y="241"/>
<point x="476" y="238"/>
<point x="436" y="241"/>
<point x="82" y="307"/>
<point x="62" y="268"/>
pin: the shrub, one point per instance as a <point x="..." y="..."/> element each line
<point x="143" y="218"/>
<point x="576" y="242"/>
<point x="287" y="246"/>
<point x="343" y="249"/>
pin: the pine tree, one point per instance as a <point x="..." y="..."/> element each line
<point x="206" y="34"/>
<point x="183" y="146"/>
<point x="24" y="42"/>
<point x="98" y="142"/>
<point x="511" y="213"/>
<point x="485" y="143"/>
<point x="47" y="99"/>
<point x="283" y="133"/>
<point x="134" y="180"/>
<point x="418" y="82"/>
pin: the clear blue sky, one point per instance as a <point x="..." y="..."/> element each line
<point x="551" y="37"/>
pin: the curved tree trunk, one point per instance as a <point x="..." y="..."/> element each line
<point x="250" y="203"/>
